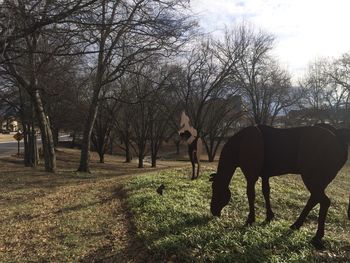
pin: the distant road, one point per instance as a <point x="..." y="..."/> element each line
<point x="9" y="148"/>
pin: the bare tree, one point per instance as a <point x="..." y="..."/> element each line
<point x="31" y="39"/>
<point x="38" y="14"/>
<point x="220" y="122"/>
<point x="327" y="97"/>
<point x="104" y="126"/>
<point x="265" y="88"/>
<point x="207" y="87"/>
<point x="161" y="109"/>
<point x="123" y="33"/>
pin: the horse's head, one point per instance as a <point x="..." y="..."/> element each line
<point x="221" y="195"/>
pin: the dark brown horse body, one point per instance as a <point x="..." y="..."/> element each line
<point x="317" y="153"/>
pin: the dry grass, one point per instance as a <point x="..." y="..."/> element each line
<point x="67" y="216"/>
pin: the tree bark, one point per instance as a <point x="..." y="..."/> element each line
<point x="55" y="137"/>
<point x="102" y="157"/>
<point x="140" y="161"/>
<point x="46" y="133"/>
<point x="86" y="143"/>
<point x="127" y="149"/>
<point x="154" y="160"/>
<point x="177" y="144"/>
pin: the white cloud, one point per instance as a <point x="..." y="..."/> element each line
<point x="304" y="29"/>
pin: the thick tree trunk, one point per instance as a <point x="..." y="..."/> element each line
<point x="31" y="156"/>
<point x="141" y="155"/>
<point x="27" y="144"/>
<point x="154" y="160"/>
<point x="127" y="151"/>
<point x="55" y="137"/>
<point x="211" y="158"/>
<point x="140" y="161"/>
<point x="177" y="144"/>
<point x="46" y="133"/>
<point x="73" y="140"/>
<point x="86" y="143"/>
<point x="102" y="157"/>
<point x="90" y="122"/>
<point x="111" y="146"/>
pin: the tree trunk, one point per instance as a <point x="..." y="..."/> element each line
<point x="86" y="143"/>
<point x="177" y="144"/>
<point x="55" y="137"/>
<point x="25" y="144"/>
<point x="127" y="151"/>
<point x="140" y="161"/>
<point x="211" y="158"/>
<point x="102" y="157"/>
<point x="73" y="140"/>
<point x="90" y="122"/>
<point x="31" y="158"/>
<point x="111" y="146"/>
<point x="154" y="160"/>
<point x="46" y="133"/>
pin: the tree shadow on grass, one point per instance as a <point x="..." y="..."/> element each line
<point x="133" y="249"/>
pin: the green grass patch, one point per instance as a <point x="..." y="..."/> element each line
<point x="178" y="226"/>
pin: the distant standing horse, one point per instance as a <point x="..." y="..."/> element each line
<point x="190" y="135"/>
<point x="317" y="153"/>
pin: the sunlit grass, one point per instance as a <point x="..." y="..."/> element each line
<point x="177" y="226"/>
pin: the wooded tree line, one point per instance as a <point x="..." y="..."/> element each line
<point x="120" y="73"/>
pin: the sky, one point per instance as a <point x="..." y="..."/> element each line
<point x="305" y="30"/>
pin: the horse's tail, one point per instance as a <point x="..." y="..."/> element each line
<point x="349" y="209"/>
<point x="344" y="135"/>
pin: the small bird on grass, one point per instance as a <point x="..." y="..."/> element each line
<point x="160" y="189"/>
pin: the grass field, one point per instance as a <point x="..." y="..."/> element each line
<point x="67" y="216"/>
<point x="178" y="227"/>
<point x="115" y="215"/>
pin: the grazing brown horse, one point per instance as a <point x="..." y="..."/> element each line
<point x="317" y="153"/>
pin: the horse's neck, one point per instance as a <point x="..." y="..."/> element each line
<point x="228" y="162"/>
<point x="226" y="169"/>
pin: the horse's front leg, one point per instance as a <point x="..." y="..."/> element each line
<point x="266" y="192"/>
<point x="251" y="201"/>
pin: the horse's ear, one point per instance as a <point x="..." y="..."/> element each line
<point x="211" y="177"/>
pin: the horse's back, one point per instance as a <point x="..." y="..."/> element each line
<point x="301" y="150"/>
<point x="320" y="152"/>
<point x="269" y="151"/>
<point x="281" y="148"/>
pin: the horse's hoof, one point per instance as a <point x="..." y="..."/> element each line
<point x="249" y="223"/>
<point x="269" y="218"/>
<point x="317" y="243"/>
<point x="295" y="226"/>
<point x="268" y="221"/>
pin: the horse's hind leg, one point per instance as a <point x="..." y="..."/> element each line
<point x="324" y="205"/>
<point x="308" y="207"/>
<point x="251" y="199"/>
<point x="266" y="192"/>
